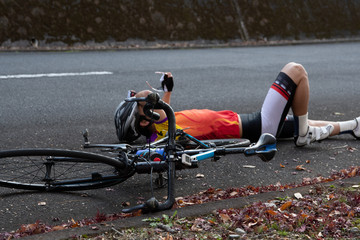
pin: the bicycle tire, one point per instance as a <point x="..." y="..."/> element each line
<point x="58" y="170"/>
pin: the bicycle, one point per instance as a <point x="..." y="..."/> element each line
<point x="72" y="170"/>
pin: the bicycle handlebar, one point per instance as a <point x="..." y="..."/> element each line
<point x="151" y="100"/>
<point x="132" y="99"/>
<point x="148" y="110"/>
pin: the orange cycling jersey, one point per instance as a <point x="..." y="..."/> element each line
<point x="203" y="124"/>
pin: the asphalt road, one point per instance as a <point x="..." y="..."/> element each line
<point x="52" y="111"/>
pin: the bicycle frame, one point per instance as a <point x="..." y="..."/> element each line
<point x="265" y="148"/>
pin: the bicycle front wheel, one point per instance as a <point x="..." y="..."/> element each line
<point x="58" y="170"/>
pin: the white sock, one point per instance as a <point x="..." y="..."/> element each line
<point x="347" y="126"/>
<point x="303" y="124"/>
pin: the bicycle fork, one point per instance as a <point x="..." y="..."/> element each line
<point x="154" y="102"/>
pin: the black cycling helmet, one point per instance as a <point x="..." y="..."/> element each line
<point x="125" y="121"/>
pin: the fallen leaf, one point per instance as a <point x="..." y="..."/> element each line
<point x="248" y="166"/>
<point x="224" y="217"/>
<point x="300" y="168"/>
<point x="271" y="212"/>
<point x="351" y="149"/>
<point x="351" y="214"/>
<point x="286" y="205"/>
<point x="330" y="196"/>
<point x="353" y="172"/>
<point x="57" y="228"/>
<point x="137" y="213"/>
<point x="74" y="224"/>
<point x="270" y="205"/>
<point x="298" y="195"/>
<point x="302" y="228"/>
<point x="335" y="212"/>
<point x="194" y="228"/>
<point x="211" y="221"/>
<point x="252" y="223"/>
<point x="307" y="161"/>
<point x="282" y="165"/>
<point x="304" y="215"/>
<point x="234" y="193"/>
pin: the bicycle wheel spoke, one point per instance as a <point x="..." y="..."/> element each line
<point x="17" y="171"/>
<point x="42" y="169"/>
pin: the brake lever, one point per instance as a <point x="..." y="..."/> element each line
<point x="150" y="113"/>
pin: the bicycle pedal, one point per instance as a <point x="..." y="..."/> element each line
<point x="186" y="159"/>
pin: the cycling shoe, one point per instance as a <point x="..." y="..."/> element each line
<point x="313" y="134"/>
<point x="356" y="131"/>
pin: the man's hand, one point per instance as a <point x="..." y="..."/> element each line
<point x="167" y="82"/>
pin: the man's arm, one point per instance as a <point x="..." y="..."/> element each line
<point x="167" y="83"/>
<point x="167" y="97"/>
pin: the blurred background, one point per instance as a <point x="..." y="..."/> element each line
<point x="172" y="23"/>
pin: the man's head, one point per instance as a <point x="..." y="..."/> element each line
<point x="130" y="120"/>
<point x="125" y="121"/>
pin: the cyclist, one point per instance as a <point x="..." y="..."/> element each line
<point x="290" y="89"/>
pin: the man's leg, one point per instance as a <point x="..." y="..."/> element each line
<point x="344" y="127"/>
<point x="300" y="77"/>
<point x="277" y="103"/>
<point x="291" y="88"/>
<point x="305" y="132"/>
<point x="301" y="101"/>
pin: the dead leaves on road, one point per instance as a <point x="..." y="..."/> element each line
<point x="213" y="194"/>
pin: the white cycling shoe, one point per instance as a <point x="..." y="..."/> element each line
<point x="314" y="134"/>
<point x="356" y="131"/>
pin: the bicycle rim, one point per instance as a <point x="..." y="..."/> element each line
<point x="57" y="170"/>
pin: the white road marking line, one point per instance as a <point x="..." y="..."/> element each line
<point x="53" y="75"/>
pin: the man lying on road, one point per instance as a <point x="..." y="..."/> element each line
<point x="290" y="89"/>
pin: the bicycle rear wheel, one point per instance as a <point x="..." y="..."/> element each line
<point x="58" y="170"/>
